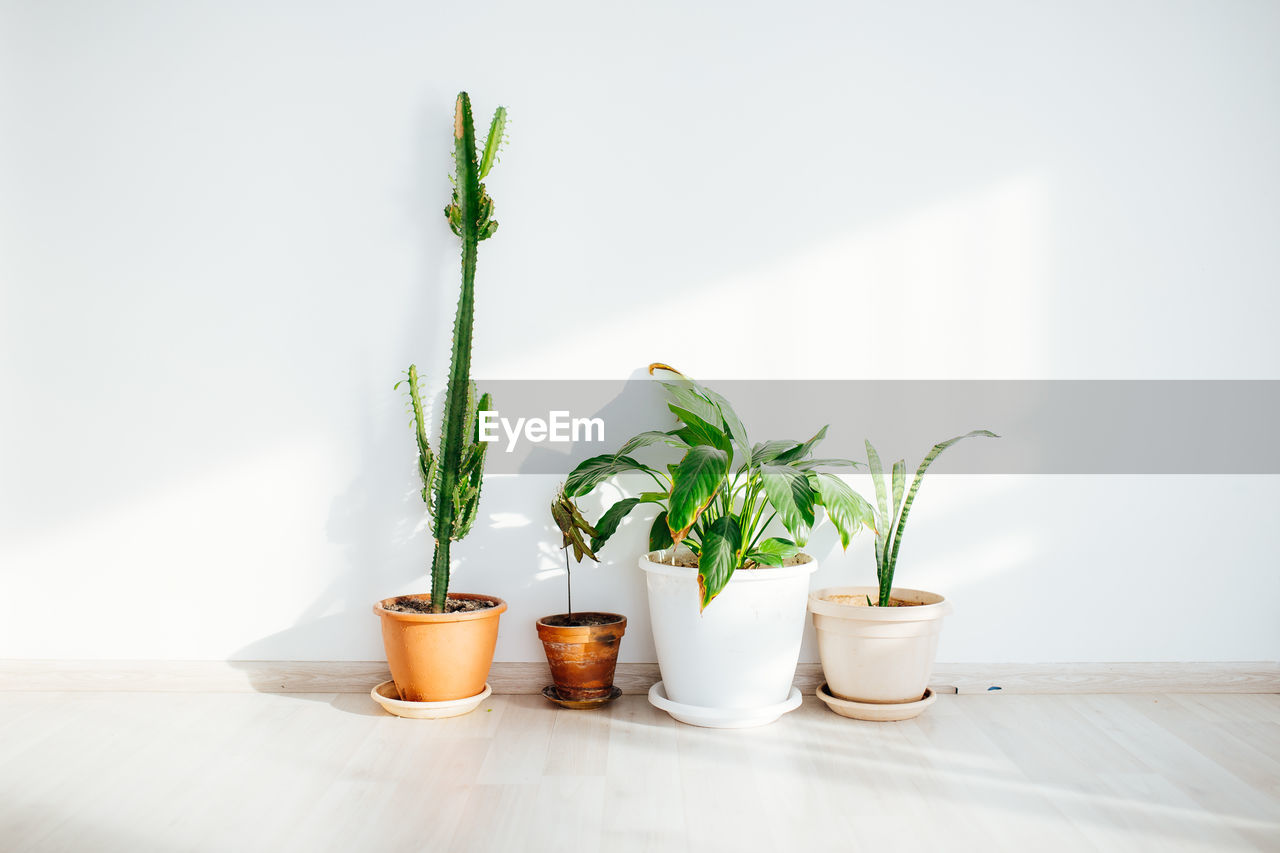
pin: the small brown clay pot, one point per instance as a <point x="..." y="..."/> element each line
<point x="435" y="657"/>
<point x="582" y="657"/>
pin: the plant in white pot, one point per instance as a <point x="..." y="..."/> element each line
<point x="877" y="655"/>
<point x="726" y="599"/>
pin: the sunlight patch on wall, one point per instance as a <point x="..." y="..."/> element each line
<point x="958" y="289"/>
<point x="244" y="543"/>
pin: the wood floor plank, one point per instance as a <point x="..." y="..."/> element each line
<point x="520" y="746"/>
<point x="579" y="743"/>
<point x="568" y="814"/>
<point x="315" y="772"/>
<point x="1217" y="803"/>
<point x="1060" y="756"/>
<point x="644" y="804"/>
<point x="496" y="817"/>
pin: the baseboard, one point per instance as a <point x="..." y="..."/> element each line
<point x="1252" y="677"/>
<point x="360" y="676"/>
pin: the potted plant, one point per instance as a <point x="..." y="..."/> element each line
<point x="582" y="646"/>
<point x="877" y="655"/>
<point x="440" y="646"/>
<point x="726" y="598"/>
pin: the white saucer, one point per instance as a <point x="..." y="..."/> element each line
<point x="386" y="695"/>
<point x="722" y="718"/>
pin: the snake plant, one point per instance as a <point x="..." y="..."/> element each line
<point x="451" y="482"/>
<point x="891" y="518"/>
<point x="718" y="509"/>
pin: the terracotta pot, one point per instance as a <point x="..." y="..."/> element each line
<point x="880" y="655"/>
<point x="582" y="657"/>
<point x="436" y="657"/>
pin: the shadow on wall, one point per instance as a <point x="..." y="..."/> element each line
<point x="382" y="531"/>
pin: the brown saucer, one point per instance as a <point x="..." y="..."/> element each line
<point x="580" y="704"/>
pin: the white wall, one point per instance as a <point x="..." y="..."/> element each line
<point x="221" y="242"/>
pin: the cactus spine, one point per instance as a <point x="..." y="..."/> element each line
<point x="451" y="484"/>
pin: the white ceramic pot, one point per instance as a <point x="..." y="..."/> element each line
<point x="738" y="654"/>
<point x="881" y="655"/>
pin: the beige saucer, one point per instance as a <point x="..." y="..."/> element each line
<point x="873" y="711"/>
<point x="386" y="695"/>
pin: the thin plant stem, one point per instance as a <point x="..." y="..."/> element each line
<point x="568" y="581"/>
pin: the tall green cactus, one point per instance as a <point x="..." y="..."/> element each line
<point x="451" y="485"/>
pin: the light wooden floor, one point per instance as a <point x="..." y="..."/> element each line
<point x="247" y="771"/>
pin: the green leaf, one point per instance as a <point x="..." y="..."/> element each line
<point x="790" y="494"/>
<point x="779" y="547"/>
<point x="695" y="482"/>
<point x="698" y="431"/>
<point x="899" y="480"/>
<point x="886" y="578"/>
<point x="800" y="452"/>
<point x="608" y="523"/>
<point x="722" y="413"/>
<point x="684" y="395"/>
<point x="811" y="464"/>
<point x="645" y="439"/>
<point x="766" y="452"/>
<point x="882" y="502"/>
<point x="731" y="420"/>
<point x="612" y="518"/>
<point x="719" y="557"/>
<point x="915" y="487"/>
<point x="847" y="509"/>
<point x="591" y="472"/>
<point x="659" y="534"/>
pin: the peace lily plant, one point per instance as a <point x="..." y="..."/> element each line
<point x="715" y="538"/>
<point x="722" y="497"/>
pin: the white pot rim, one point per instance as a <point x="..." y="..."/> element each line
<point x="767" y="573"/>
<point x="933" y="605"/>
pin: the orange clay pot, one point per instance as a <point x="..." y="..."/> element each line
<point x="436" y="657"/>
<point x="582" y="658"/>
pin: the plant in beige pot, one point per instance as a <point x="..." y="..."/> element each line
<point x="581" y="646"/>
<point x="877" y="655"/>
<point x="725" y="574"/>
<point x="440" y="646"/>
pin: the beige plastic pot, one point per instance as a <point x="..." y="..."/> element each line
<point x="881" y="655"/>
